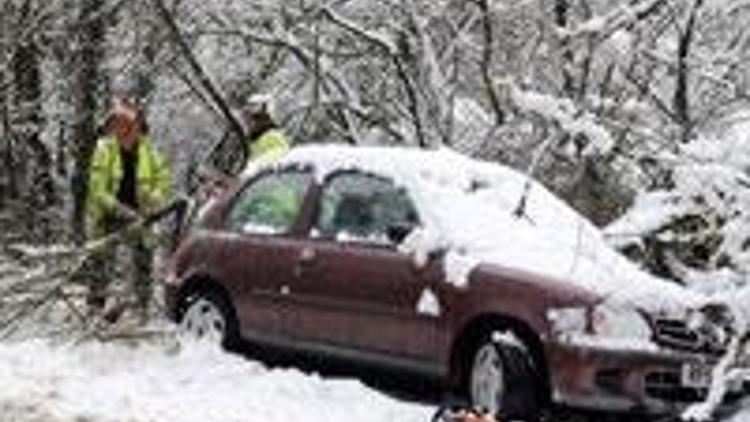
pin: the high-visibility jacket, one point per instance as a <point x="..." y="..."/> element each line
<point x="271" y="141"/>
<point x="105" y="173"/>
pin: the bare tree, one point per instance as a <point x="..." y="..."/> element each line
<point x="87" y="89"/>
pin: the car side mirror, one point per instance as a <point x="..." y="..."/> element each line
<point x="398" y="232"/>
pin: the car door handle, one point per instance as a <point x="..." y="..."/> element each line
<point x="304" y="260"/>
<point x="307" y="256"/>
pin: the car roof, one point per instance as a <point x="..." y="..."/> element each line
<point x="397" y="163"/>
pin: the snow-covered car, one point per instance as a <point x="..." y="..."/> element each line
<point x="431" y="262"/>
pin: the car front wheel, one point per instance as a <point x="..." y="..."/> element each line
<point x="502" y="378"/>
<point x="207" y="316"/>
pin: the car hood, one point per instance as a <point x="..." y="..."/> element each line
<point x="652" y="296"/>
<point x="545" y="291"/>
<point x="512" y="222"/>
<point x="586" y="264"/>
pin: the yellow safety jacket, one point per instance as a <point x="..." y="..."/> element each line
<point x="105" y="173"/>
<point x="270" y="141"/>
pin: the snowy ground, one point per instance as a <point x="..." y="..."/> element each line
<point x="96" y="382"/>
<point x="154" y="383"/>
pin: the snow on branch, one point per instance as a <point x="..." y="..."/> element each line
<point x="609" y="23"/>
<point x="726" y="6"/>
<point x="378" y="38"/>
<point x="567" y="115"/>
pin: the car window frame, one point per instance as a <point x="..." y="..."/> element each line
<point x="297" y="227"/>
<point x="313" y="232"/>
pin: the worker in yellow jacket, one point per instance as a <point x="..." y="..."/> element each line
<point x="128" y="178"/>
<point x="262" y="132"/>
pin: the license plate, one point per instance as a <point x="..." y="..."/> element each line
<point x="696" y="375"/>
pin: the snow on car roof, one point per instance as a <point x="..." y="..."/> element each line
<point x="469" y="208"/>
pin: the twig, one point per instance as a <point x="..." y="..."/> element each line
<point x="196" y="68"/>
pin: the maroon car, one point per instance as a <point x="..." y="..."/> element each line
<point x="430" y="262"/>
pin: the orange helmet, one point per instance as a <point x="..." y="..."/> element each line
<point x="122" y="112"/>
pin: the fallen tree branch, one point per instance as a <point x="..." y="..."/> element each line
<point x="47" y="285"/>
<point x="213" y="92"/>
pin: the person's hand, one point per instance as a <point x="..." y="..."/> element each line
<point x="126" y="213"/>
<point x="147" y="202"/>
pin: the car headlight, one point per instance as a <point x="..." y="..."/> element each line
<point x="619" y="322"/>
<point x="604" y="320"/>
<point x="569" y="320"/>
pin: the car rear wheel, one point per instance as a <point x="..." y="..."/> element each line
<point x="208" y="316"/>
<point x="502" y="378"/>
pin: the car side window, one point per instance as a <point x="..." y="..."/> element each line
<point x="270" y="204"/>
<point x="365" y="208"/>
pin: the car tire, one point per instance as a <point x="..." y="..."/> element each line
<point x="208" y="315"/>
<point x="502" y="378"/>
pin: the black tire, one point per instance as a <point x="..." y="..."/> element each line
<point x="522" y="392"/>
<point x="211" y="303"/>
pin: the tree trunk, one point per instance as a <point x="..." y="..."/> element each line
<point x="562" y="8"/>
<point x="3" y="128"/>
<point x="487" y="60"/>
<point x="86" y="86"/>
<point x="28" y="84"/>
<point x="681" y="95"/>
<point x="5" y="145"/>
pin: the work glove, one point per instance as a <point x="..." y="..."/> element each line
<point x="148" y="203"/>
<point x="126" y="213"/>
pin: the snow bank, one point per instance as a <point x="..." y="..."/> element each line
<point x="467" y="209"/>
<point x="710" y="189"/>
<point x="109" y="382"/>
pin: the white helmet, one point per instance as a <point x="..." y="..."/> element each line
<point x="259" y="103"/>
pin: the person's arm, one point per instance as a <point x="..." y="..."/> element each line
<point x="157" y="193"/>
<point x="163" y="183"/>
<point x="100" y="199"/>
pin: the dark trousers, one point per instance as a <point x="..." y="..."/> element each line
<point x="102" y="268"/>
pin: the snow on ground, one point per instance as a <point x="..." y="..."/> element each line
<point x="743" y="416"/>
<point x="97" y="382"/>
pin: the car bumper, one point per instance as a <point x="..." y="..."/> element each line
<point x="635" y="379"/>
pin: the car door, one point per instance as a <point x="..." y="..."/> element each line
<point x="354" y="288"/>
<point x="261" y="243"/>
